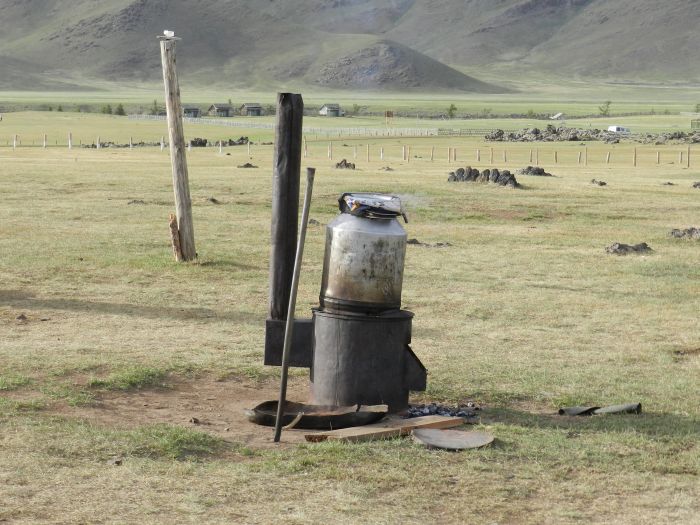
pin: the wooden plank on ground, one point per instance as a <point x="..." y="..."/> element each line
<point x="390" y="427"/>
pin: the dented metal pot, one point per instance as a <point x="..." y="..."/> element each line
<point x="363" y="264"/>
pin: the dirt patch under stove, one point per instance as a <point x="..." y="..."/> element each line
<point x="204" y="404"/>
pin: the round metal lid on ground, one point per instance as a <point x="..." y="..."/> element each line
<point x="451" y="439"/>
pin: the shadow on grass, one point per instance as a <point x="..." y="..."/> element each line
<point x="651" y="424"/>
<point x="23" y="300"/>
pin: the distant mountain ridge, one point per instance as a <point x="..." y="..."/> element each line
<point x="348" y="44"/>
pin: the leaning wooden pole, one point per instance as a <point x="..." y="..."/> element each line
<point x="178" y="158"/>
<point x="289" y="325"/>
<point x="285" y="200"/>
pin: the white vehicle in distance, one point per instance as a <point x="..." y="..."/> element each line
<point x="619" y="129"/>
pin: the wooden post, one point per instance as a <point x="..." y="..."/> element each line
<point x="285" y="200"/>
<point x="478" y="155"/>
<point x="189" y="145"/>
<point x="178" y="156"/>
<point x="248" y="148"/>
<point x="14" y="142"/>
<point x="687" y="158"/>
<point x="658" y="157"/>
<point x="607" y="158"/>
<point x="432" y="153"/>
<point x="408" y="154"/>
<point x="505" y="156"/>
<point x="579" y="158"/>
<point x="530" y="157"/>
<point x="306" y="148"/>
<point x="537" y="156"/>
<point x="680" y="157"/>
<point x="70" y="141"/>
<point x="354" y="152"/>
<point x="45" y="140"/>
<point x="162" y="143"/>
<point x="131" y="143"/>
<point x="367" y="152"/>
<point x="585" y="156"/>
<point x="454" y="154"/>
<point x="556" y="157"/>
<point x="403" y="152"/>
<point x="449" y="154"/>
<point x="381" y="153"/>
<point x="221" y="147"/>
<point x="491" y="156"/>
<point x="634" y="157"/>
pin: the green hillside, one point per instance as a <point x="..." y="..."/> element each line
<point x="384" y="45"/>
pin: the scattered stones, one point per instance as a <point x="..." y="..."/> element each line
<point x="534" y="170"/>
<point x="688" y="233"/>
<point x="599" y="182"/>
<point x="469" y="174"/>
<point x="428" y="245"/>
<point x="563" y="134"/>
<point x="199" y="142"/>
<point x="213" y="200"/>
<point x="247" y="165"/>
<point x="619" y="248"/>
<point x="668" y="184"/>
<point x="136" y="201"/>
<point x="386" y="168"/>
<point x="696" y="184"/>
<point x="21" y="318"/>
<point x="468" y="411"/>
<point x="345" y="165"/>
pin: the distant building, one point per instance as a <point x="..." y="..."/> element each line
<point x="191" y="111"/>
<point x="331" y="110"/>
<point x="220" y="110"/>
<point x="251" y="109"/>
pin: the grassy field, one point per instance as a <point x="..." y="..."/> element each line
<point x="108" y="348"/>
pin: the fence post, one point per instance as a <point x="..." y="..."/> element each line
<point x="70" y="140"/>
<point x="285" y="200"/>
<point x="556" y="157"/>
<point x="98" y="142"/>
<point x="578" y="161"/>
<point x="687" y="158"/>
<point x="607" y="158"/>
<point x="45" y="140"/>
<point x="634" y="157"/>
<point x="505" y="156"/>
<point x="14" y="142"/>
<point x="537" y="156"/>
<point x="658" y="157"/>
<point x="478" y="155"/>
<point x="585" y="156"/>
<point x="432" y="153"/>
<point x="408" y="154"/>
<point x="178" y="157"/>
<point x="367" y="152"/>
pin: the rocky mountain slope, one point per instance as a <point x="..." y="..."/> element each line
<point x="349" y="44"/>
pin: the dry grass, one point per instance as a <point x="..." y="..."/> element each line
<point x="523" y="312"/>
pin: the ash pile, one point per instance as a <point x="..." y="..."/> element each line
<point x="494" y="176"/>
<point x="469" y="411"/>
<point x="534" y="171"/>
